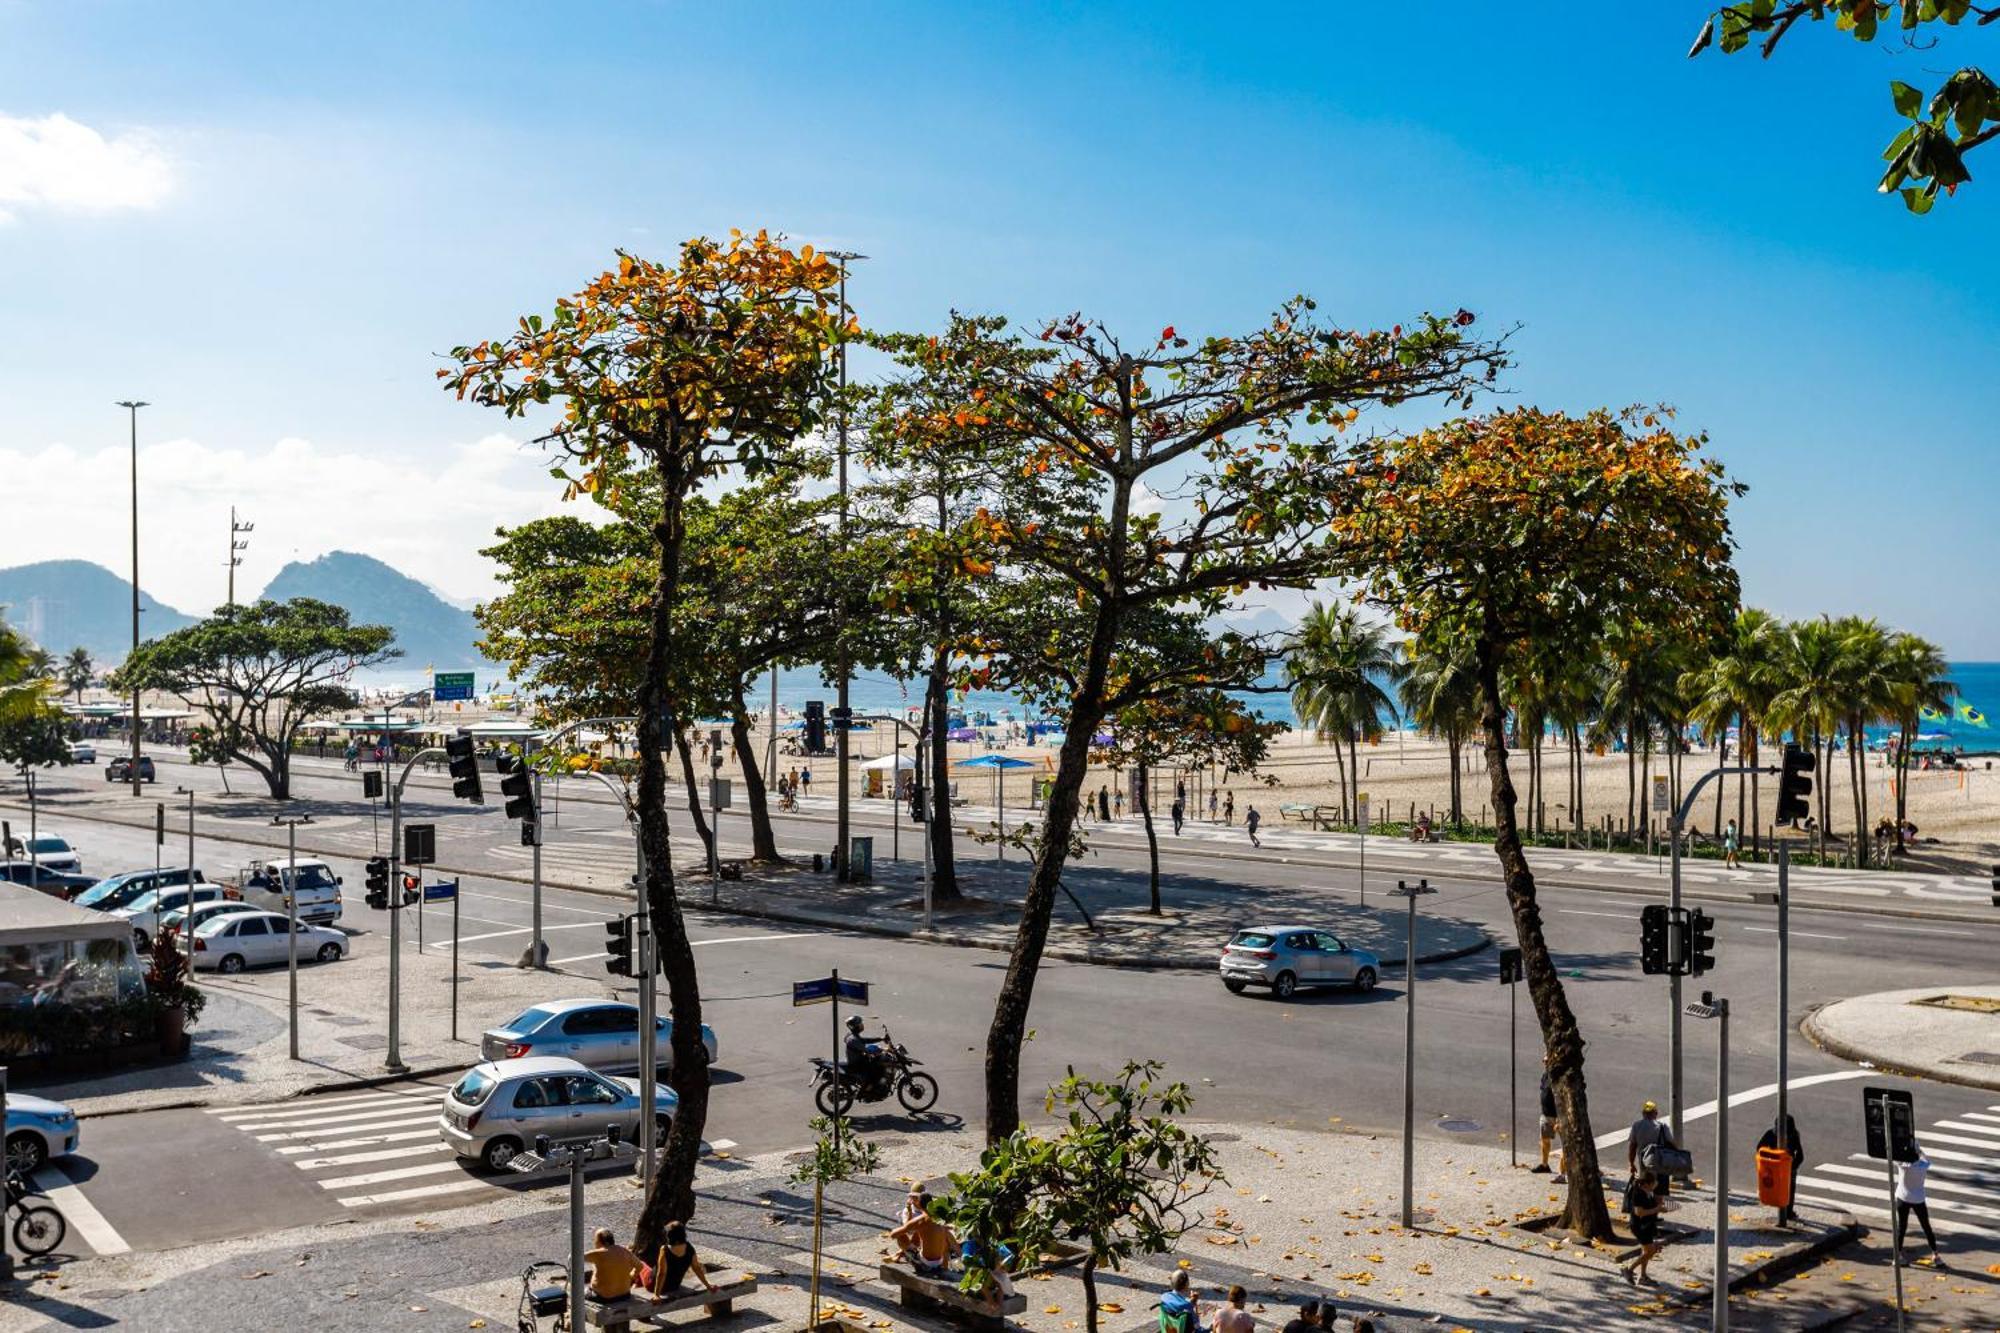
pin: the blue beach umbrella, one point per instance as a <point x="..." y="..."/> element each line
<point x="997" y="762"/>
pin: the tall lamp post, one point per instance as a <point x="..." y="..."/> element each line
<point x="843" y="713"/>
<point x="289" y="882"/>
<point x="237" y="543"/>
<point x="132" y="406"/>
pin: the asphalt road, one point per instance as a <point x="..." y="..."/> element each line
<point x="1316" y="1061"/>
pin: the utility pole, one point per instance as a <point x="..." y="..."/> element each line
<point x="1403" y="890"/>
<point x="132" y="406"/>
<point x="843" y="714"/>
<point x="1784" y="993"/>
<point x="289" y="881"/>
<point x="237" y="543"/>
<point x="1713" y="1006"/>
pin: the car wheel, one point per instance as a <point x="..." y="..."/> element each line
<point x="662" y="1125"/>
<point x="1284" y="987"/>
<point x="329" y="953"/>
<point x="141" y="941"/>
<point x="1233" y="986"/>
<point x="26" y="1153"/>
<point x="1364" y="980"/>
<point x="231" y="963"/>
<point x="498" y="1152"/>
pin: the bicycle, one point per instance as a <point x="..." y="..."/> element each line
<point x="38" y="1228"/>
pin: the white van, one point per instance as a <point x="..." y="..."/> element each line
<point x="317" y="886"/>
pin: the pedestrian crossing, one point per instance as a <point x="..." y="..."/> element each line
<point x="366" y="1150"/>
<point x="1963" y="1184"/>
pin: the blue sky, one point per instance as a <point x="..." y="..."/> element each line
<point x="287" y="216"/>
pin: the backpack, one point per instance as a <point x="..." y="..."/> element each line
<point x="1178" y="1321"/>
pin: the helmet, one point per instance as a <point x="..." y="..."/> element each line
<point x="855" y="1025"/>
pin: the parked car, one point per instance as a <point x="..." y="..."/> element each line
<point x="263" y="884"/>
<point x="120" y="769"/>
<point x="58" y="883"/>
<point x="82" y="752"/>
<point x="203" y="912"/>
<point x="599" y="1033"/>
<point x="145" y="910"/>
<point x="1285" y="958"/>
<point x="240" y="940"/>
<point x="114" y="891"/>
<point x="49" y="852"/>
<point x="499" y="1107"/>
<point x="37" y="1130"/>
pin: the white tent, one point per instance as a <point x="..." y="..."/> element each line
<point x="902" y="763"/>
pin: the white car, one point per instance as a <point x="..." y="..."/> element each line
<point x="263" y="884"/>
<point x="51" y="853"/>
<point x="82" y="752"/>
<point x="256" y="939"/>
<point x="144" y="911"/>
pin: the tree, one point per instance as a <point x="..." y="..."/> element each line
<point x="1440" y="695"/>
<point x="1120" y="1179"/>
<point x="837" y="1154"/>
<point x="32" y="732"/>
<point x="721" y="360"/>
<point x="1962" y="114"/>
<point x="1735" y="683"/>
<point x="77" y="672"/>
<point x="1536" y="528"/>
<point x="1914" y="669"/>
<point x="1337" y="664"/>
<point x="1810" y="699"/>
<point x="260" y="672"/>
<point x="1161" y="476"/>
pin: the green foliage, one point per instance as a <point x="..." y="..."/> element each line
<point x="34" y="740"/>
<point x="77" y="672"/>
<point x="837" y="1154"/>
<point x="168" y="981"/>
<point x="32" y="731"/>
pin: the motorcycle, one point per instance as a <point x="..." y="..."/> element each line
<point x="835" y="1090"/>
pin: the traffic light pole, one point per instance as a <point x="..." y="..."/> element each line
<point x="647" y="972"/>
<point x="394" y="1062"/>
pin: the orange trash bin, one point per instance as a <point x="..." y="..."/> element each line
<point x="1774" y="1177"/>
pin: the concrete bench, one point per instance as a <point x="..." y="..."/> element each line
<point x="618" y="1316"/>
<point x="929" y="1293"/>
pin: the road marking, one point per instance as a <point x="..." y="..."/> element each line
<point x="357" y="1117"/>
<point x="297" y="1104"/>
<point x="420" y="1192"/>
<point x="579" y="958"/>
<point x="1968" y="1126"/>
<point x="1707" y="1108"/>
<point x="511" y="930"/>
<point x="1578" y="911"/>
<point x="363" y="1141"/>
<point x="1947" y="1225"/>
<point x="756" y="939"/>
<point x="307" y="1115"/>
<point x="399" y="1173"/>
<point x="1878" y="1191"/>
<point x="79" y="1211"/>
<point x="322" y="1133"/>
<point x="1807" y="934"/>
<point x="357" y="1158"/>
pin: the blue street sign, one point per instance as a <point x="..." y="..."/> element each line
<point x="448" y="686"/>
<point x="821" y="991"/>
<point x="442" y="891"/>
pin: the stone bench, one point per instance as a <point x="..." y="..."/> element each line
<point x="618" y="1316"/>
<point x="929" y="1293"/>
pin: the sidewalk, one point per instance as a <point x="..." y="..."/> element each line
<point x="1300" y="1214"/>
<point x="1946" y="1032"/>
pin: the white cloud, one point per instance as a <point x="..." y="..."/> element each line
<point x="426" y="512"/>
<point x="57" y="163"/>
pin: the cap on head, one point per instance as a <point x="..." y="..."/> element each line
<point x="1650" y="1107"/>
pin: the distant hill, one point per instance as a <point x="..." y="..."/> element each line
<point x="62" y="604"/>
<point x="430" y="631"/>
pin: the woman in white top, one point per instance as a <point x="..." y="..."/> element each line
<point x="1910" y="1199"/>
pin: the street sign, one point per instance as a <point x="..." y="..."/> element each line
<point x="419" y="844"/>
<point x="441" y="892"/>
<point x="821" y="991"/>
<point x="160" y="822"/>
<point x="718" y="793"/>
<point x="1510" y="966"/>
<point x="1663" y="797"/>
<point x="1890" y="1118"/>
<point x="371" y="785"/>
<point x="449" y="685"/>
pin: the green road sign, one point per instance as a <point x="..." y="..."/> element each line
<point x="449" y="686"/>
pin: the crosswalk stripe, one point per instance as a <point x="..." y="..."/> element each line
<point x="363" y="1141"/>
<point x="1972" y="1128"/>
<point x="1980" y="1115"/>
<point x="357" y="1118"/>
<point x="1931" y="1136"/>
<point x="296" y="1104"/>
<point x="357" y="1158"/>
<point x="1937" y="1154"/>
<point x="1945" y="1225"/>
<point x="321" y="1133"/>
<point x="1877" y="1192"/>
<point x="1976" y="1189"/>
<point x="398" y="1173"/>
<point x="419" y="1192"/>
<point x="323" y="1112"/>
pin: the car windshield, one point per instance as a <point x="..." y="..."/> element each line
<point x="528" y="1019"/>
<point x="312" y="877"/>
<point x="47" y="845"/>
<point x="1252" y="939"/>
<point x="102" y="890"/>
<point x="146" y="901"/>
<point x="473" y="1089"/>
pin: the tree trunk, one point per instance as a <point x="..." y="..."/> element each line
<point x="1631" y="778"/>
<point x="763" y="838"/>
<point x="1585" y="1212"/>
<point x="1354" y="767"/>
<point x="688" y="776"/>
<point x="1089" y="1276"/>
<point x="670" y="1196"/>
<point x="1857" y="772"/>
<point x="937" y="720"/>
<point x="1753" y="750"/>
<point x="1908" y="734"/>
<point x="1152" y="844"/>
<point x="1340" y="767"/>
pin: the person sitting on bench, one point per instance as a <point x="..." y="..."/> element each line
<point x="610" y="1268"/>
<point x="926" y="1242"/>
<point x="677" y="1260"/>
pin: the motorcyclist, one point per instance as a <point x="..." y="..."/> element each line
<point x="864" y="1056"/>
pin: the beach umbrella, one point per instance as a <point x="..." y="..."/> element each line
<point x="998" y="762"/>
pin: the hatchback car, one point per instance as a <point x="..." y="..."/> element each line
<point x="498" y="1108"/>
<point x="145" y="910"/>
<point x="205" y="912"/>
<point x="252" y="939"/>
<point x="602" y="1034"/>
<point x="120" y="769"/>
<point x="1285" y="958"/>
<point x="56" y="883"/>
<point x="82" y="752"/>
<point x="115" y="891"/>
<point x="51" y="853"/>
<point x="38" y="1129"/>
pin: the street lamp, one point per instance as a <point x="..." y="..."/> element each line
<point x="842" y="712"/>
<point x="132" y="406"/>
<point x="1412" y="892"/>
<point x="289" y="882"/>
<point x="237" y="542"/>
<point x="1714" y="1006"/>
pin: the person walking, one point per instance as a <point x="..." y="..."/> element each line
<point x="1643" y="1201"/>
<point x="1549" y="1123"/>
<point x="1730" y="840"/>
<point x="1648" y="1133"/>
<point x="1251" y="819"/>
<point x="1104" y="803"/>
<point x="1228" y="807"/>
<point x="1911" y="1198"/>
<point x="1180" y="790"/>
<point x="1179" y="813"/>
<point x="806" y="780"/>
<point x="1211" y="805"/>
<point x="1118" y="802"/>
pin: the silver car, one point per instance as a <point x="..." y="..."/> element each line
<point x="239" y="940"/>
<point x="1285" y="958"/>
<point x="499" y="1108"/>
<point x="603" y="1034"/>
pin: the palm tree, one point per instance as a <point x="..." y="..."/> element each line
<point x="1735" y="684"/>
<point x="1812" y="694"/>
<point x="1571" y="693"/>
<point x="1913" y="670"/>
<point x="77" y="672"/>
<point x="1440" y="693"/>
<point x="1336" y="666"/>
<point x="1863" y="645"/>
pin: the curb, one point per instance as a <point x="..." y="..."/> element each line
<point x="1780" y="1265"/>
<point x="318" y="1089"/>
<point x="1845" y="1050"/>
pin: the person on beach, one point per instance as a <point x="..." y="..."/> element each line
<point x="1910" y="1198"/>
<point x="806" y="780"/>
<point x="1180" y="1312"/>
<point x="1233" y="1318"/>
<point x="1228" y="807"/>
<point x="1211" y="805"/>
<point x="1179" y="813"/>
<point x="1643" y="1200"/>
<point x="1251" y="819"/>
<point x="1730" y="839"/>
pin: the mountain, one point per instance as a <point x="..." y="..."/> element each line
<point x="430" y="631"/>
<point x="62" y="604"/>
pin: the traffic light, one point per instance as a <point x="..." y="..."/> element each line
<point x="815" y="726"/>
<point x="378" y="883"/>
<point x="1701" y="942"/>
<point x="1795" y="784"/>
<point x="519" y="788"/>
<point x="1654" y="927"/>
<point x="618" y="946"/>
<point x="464" y="765"/>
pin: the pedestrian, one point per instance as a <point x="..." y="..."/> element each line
<point x="1643" y="1141"/>
<point x="1178" y="813"/>
<point x="1180" y="790"/>
<point x="1251" y="819"/>
<point x="1729" y="840"/>
<point x="352" y="756"/>
<point x="1788" y="1210"/>
<point x="1104" y="804"/>
<point x="1118" y="802"/>
<point x="1307" y="1319"/>
<point x="1211" y="805"/>
<point x="806" y="780"/>
<point x="1180" y="1312"/>
<point x="1643" y="1200"/>
<point x="1329" y="1313"/>
<point x="1910" y="1198"/>
<point x="1228" y="807"/>
<point x="1233" y="1318"/>
<point x="1550" y="1123"/>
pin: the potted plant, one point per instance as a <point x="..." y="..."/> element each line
<point x="167" y="984"/>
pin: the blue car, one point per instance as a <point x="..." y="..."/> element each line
<point x="37" y="1130"/>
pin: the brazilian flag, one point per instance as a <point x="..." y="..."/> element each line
<point x="1929" y="714"/>
<point x="1971" y="716"/>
